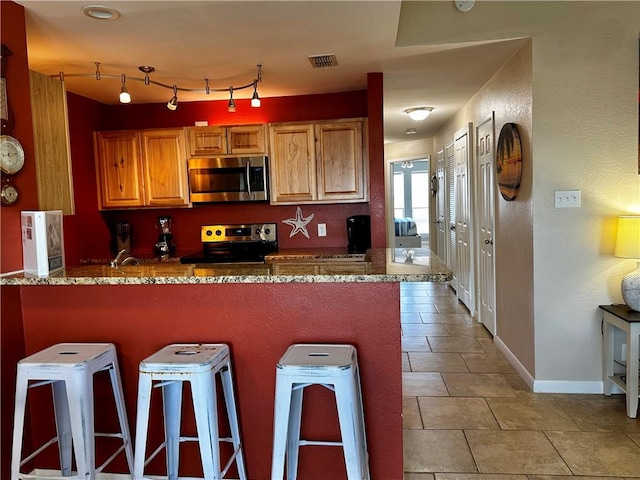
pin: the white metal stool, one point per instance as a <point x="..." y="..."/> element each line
<point x="198" y="364"/>
<point x="336" y="368"/>
<point x="69" y="368"/>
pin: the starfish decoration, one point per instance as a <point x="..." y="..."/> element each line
<point x="299" y="223"/>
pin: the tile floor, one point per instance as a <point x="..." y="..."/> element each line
<point x="469" y="416"/>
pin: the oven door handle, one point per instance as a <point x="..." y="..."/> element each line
<point x="248" y="178"/>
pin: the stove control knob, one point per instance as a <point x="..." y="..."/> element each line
<point x="267" y="231"/>
<point x="208" y="233"/>
<point x="218" y="233"/>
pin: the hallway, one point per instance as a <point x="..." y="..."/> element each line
<point x="468" y="415"/>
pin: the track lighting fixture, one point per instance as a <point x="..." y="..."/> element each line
<point x="418" y="113"/>
<point x="173" y="103"/>
<point x="231" y="107"/>
<point x="255" y="99"/>
<point x="125" y="97"/>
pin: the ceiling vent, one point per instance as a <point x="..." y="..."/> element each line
<point x="323" y="61"/>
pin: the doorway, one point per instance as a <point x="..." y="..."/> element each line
<point x="410" y="194"/>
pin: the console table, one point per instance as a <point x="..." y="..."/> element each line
<point x="628" y="321"/>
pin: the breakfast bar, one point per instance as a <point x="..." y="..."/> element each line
<point x="258" y="310"/>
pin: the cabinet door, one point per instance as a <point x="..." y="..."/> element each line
<point x="165" y="167"/>
<point x="207" y="141"/>
<point x="119" y="170"/>
<point x="340" y="166"/>
<point x="292" y="164"/>
<point x="246" y="139"/>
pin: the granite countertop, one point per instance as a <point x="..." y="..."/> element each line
<point x="285" y="266"/>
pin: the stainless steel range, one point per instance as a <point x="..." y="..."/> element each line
<point x="235" y="244"/>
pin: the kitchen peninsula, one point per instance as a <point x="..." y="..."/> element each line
<point x="259" y="310"/>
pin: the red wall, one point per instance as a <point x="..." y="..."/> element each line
<point x="141" y="319"/>
<point x="17" y="81"/>
<point x="90" y="232"/>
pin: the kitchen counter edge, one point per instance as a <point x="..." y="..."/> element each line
<point x="435" y="271"/>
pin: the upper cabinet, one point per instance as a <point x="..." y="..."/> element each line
<point x="321" y="162"/>
<point x="145" y="168"/>
<point x="226" y="140"/>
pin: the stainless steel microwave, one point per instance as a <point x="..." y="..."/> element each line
<point x="228" y="179"/>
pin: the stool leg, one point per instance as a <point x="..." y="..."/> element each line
<point x="63" y="425"/>
<point x="232" y="415"/>
<point x="280" y="425"/>
<point x="18" y="424"/>
<point x="80" y="396"/>
<point x="118" y="395"/>
<point x="293" y="434"/>
<point x="142" y="422"/>
<point x="346" y="398"/>
<point x="203" y="388"/>
<point x="362" y="434"/>
<point x="172" y="408"/>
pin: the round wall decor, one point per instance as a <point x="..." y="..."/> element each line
<point x="509" y="161"/>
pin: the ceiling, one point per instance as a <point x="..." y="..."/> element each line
<point x="188" y="41"/>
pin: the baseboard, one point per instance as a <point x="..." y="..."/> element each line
<point x="515" y="363"/>
<point x="551" y="386"/>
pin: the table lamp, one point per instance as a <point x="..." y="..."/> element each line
<point x="628" y="246"/>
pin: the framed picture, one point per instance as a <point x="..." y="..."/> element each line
<point x="509" y="161"/>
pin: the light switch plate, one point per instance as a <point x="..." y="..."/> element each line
<point x="322" y="229"/>
<point x="568" y="198"/>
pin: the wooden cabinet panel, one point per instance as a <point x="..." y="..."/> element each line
<point x="246" y="139"/>
<point x="165" y="167"/>
<point x="142" y="168"/>
<point x="339" y="161"/>
<point x="292" y="167"/>
<point x="321" y="162"/>
<point x="119" y="170"/>
<point x="207" y="141"/>
<point x="222" y="140"/>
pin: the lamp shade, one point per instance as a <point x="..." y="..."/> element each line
<point x="628" y="238"/>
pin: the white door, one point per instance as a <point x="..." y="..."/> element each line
<point x="485" y="154"/>
<point x="440" y="215"/>
<point x="464" y="233"/>
<point x="450" y="221"/>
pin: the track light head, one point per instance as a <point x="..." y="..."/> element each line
<point x="255" y="100"/>
<point x="173" y="103"/>
<point x="125" y="97"/>
<point x="231" y="106"/>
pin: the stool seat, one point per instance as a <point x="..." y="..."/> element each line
<point x="197" y="364"/>
<point x="69" y="368"/>
<point x="336" y="368"/>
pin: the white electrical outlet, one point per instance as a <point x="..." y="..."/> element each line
<point x="322" y="229"/>
<point x="568" y="198"/>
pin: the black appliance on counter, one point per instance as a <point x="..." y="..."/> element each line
<point x="235" y="244"/>
<point x="359" y="233"/>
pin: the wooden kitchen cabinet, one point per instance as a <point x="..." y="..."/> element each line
<point x="321" y="162"/>
<point x="141" y="169"/>
<point x="222" y="140"/>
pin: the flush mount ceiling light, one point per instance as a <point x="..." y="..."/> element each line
<point x="100" y="12"/>
<point x="418" y="113"/>
<point x="125" y="97"/>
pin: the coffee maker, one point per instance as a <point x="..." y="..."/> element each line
<point x="359" y="233"/>
<point x="164" y="247"/>
<point x="123" y="237"/>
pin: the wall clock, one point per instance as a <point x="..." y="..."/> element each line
<point x="11" y="155"/>
<point x="464" y="5"/>
<point x="509" y="161"/>
<point x="8" y="194"/>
